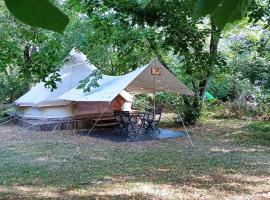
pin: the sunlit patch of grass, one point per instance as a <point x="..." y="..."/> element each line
<point x="257" y="133"/>
<point x="263" y="126"/>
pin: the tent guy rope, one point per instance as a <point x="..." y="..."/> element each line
<point x="92" y="128"/>
<point x="180" y="116"/>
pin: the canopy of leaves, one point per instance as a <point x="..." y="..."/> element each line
<point x="28" y="55"/>
<point x="90" y="82"/>
<point x="119" y="36"/>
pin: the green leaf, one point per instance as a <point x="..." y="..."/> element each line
<point x="90" y="81"/>
<point x="205" y="7"/>
<point x="222" y="11"/>
<point x="38" y="13"/>
<point x="230" y="11"/>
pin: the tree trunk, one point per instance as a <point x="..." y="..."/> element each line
<point x="233" y="89"/>
<point x="213" y="50"/>
<point x="27" y="53"/>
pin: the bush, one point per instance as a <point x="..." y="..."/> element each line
<point x="141" y="102"/>
<point x="228" y="87"/>
<point x="237" y="109"/>
<point x="253" y="102"/>
<point x="12" y="87"/>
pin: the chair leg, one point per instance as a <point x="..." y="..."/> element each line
<point x="123" y="128"/>
<point x="126" y="127"/>
<point x="132" y="127"/>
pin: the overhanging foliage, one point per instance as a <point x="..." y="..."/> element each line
<point x="38" y="13"/>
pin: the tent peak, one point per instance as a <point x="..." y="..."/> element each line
<point x="76" y="58"/>
<point x="78" y="55"/>
<point x="163" y="63"/>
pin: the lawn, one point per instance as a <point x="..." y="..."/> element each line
<point x="230" y="160"/>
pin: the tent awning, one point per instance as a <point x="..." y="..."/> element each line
<point x="109" y="88"/>
<point x="138" y="82"/>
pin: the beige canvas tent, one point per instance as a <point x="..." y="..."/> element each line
<point x="42" y="103"/>
<point x="113" y="93"/>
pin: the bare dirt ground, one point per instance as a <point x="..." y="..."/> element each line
<point x="67" y="165"/>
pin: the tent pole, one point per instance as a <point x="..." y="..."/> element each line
<point x="154" y="113"/>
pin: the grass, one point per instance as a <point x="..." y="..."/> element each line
<point x="61" y="166"/>
<point x="257" y="133"/>
<point x="263" y="126"/>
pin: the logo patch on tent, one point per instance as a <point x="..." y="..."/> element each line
<point x="155" y="71"/>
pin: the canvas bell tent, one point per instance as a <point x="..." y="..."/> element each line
<point x="42" y="103"/>
<point x="112" y="93"/>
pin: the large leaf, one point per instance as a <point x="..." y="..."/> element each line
<point x="38" y="13"/>
<point x="230" y="11"/>
<point x="205" y="7"/>
<point x="222" y="11"/>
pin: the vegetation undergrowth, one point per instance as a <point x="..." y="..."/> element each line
<point x="6" y="108"/>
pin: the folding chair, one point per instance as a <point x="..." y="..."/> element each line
<point x="130" y="123"/>
<point x="152" y="119"/>
<point x="119" y="121"/>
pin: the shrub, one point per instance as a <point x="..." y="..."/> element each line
<point x="238" y="109"/>
<point x="228" y="87"/>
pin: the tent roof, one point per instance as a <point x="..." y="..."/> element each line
<point x="138" y="82"/>
<point x="77" y="68"/>
<point x="74" y="70"/>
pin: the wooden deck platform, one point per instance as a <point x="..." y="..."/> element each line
<point x="62" y="124"/>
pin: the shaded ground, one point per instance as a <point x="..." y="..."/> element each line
<point x="67" y="165"/>
<point x="114" y="135"/>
